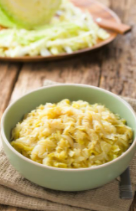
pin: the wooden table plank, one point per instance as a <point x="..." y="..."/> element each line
<point x="118" y="72"/>
<point x="9" y="208"/>
<point x="80" y="69"/>
<point x="8" y="76"/>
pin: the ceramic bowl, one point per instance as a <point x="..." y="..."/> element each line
<point x="58" y="178"/>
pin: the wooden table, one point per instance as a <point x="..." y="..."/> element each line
<point x="112" y="67"/>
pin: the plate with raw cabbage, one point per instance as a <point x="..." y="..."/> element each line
<point x="68" y="29"/>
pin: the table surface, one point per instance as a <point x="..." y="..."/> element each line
<point x="112" y="67"/>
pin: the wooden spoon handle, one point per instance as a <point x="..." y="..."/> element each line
<point x="117" y="27"/>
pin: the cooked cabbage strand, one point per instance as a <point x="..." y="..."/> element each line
<point x="71" y="135"/>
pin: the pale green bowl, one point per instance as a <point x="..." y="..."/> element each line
<point x="67" y="179"/>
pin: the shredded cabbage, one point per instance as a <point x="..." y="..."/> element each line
<point x="69" y="30"/>
<point x="71" y="135"/>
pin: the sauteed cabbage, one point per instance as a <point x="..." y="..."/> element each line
<point x="71" y="135"/>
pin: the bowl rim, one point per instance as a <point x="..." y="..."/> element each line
<point x="67" y="169"/>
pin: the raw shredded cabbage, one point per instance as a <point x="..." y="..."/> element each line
<point x="69" y="30"/>
<point x="71" y="135"/>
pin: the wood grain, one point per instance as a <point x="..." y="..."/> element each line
<point x="118" y="72"/>
<point x="81" y="69"/>
<point x="8" y="76"/>
<point x="9" y="208"/>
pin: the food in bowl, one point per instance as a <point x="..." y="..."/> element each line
<point x="71" y="135"/>
<point x="67" y="179"/>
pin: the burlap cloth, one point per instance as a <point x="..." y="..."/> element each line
<point x="19" y="192"/>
